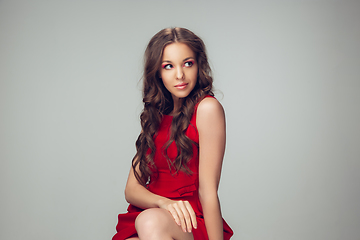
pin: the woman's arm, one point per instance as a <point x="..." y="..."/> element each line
<point x="210" y="122"/>
<point x="139" y="196"/>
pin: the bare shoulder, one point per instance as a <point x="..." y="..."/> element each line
<point x="210" y="113"/>
<point x="210" y="107"/>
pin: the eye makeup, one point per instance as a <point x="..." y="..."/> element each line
<point x="166" y="66"/>
<point x="189" y="63"/>
<point x="186" y="64"/>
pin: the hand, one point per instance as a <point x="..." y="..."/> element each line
<point x="182" y="213"/>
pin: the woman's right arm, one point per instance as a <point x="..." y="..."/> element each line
<point x="139" y="196"/>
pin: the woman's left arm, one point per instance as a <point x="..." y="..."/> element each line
<point x="210" y="121"/>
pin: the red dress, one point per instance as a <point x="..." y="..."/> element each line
<point x="174" y="186"/>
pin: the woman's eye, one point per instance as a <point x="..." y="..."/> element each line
<point x="167" y="66"/>
<point x="188" y="64"/>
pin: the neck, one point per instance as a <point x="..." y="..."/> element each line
<point x="177" y="104"/>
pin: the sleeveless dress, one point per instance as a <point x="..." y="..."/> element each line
<point x="180" y="186"/>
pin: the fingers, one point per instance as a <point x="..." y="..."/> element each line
<point x="192" y="214"/>
<point x="174" y="213"/>
<point x="184" y="215"/>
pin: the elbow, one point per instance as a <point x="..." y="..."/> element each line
<point x="207" y="195"/>
<point x="127" y="193"/>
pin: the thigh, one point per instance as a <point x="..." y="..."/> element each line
<point x="159" y="222"/>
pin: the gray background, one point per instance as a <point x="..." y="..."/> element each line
<point x="287" y="74"/>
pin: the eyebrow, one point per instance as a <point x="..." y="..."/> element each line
<point x="183" y="60"/>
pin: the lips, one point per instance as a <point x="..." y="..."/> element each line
<point x="181" y="85"/>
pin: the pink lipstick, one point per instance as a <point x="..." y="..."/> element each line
<point x="181" y="85"/>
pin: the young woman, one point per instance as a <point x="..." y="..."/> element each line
<point x="173" y="183"/>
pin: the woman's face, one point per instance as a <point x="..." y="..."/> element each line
<point x="179" y="70"/>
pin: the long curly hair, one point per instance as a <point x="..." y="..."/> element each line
<point x="158" y="102"/>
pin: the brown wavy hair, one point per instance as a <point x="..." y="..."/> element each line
<point x="158" y="102"/>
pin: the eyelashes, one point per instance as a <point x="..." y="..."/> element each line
<point x="189" y="63"/>
<point x="168" y="66"/>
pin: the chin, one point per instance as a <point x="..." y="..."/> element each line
<point x="182" y="95"/>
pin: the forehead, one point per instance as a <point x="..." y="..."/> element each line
<point x="177" y="52"/>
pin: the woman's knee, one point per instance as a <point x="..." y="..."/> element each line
<point x="152" y="219"/>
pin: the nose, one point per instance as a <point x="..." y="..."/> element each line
<point x="180" y="73"/>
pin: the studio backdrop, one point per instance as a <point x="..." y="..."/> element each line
<point x="286" y="72"/>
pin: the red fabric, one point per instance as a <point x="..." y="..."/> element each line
<point x="168" y="184"/>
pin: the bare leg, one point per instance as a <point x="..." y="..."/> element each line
<point x="133" y="238"/>
<point x="158" y="224"/>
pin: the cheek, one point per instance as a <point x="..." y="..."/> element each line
<point x="165" y="74"/>
<point x="165" y="81"/>
<point x="194" y="74"/>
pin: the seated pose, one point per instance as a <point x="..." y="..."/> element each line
<point x="172" y="186"/>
